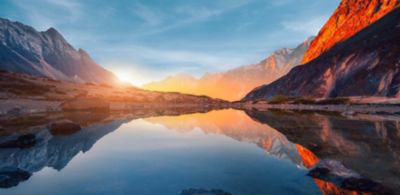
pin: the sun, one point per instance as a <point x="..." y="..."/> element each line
<point x="124" y="76"/>
<point x="131" y="77"/>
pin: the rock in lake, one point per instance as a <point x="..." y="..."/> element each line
<point x="335" y="172"/>
<point x="23" y="141"/>
<point x="64" y="127"/>
<point x="12" y="177"/>
<point x="86" y="104"/>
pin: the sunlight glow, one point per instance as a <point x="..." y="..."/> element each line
<point x="124" y="76"/>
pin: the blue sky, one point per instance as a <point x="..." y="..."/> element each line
<point x="149" y="39"/>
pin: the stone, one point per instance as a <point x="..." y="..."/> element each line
<point x="24" y="141"/>
<point x="343" y="177"/>
<point x="86" y="104"/>
<point x="64" y="127"/>
<point x="12" y="177"/>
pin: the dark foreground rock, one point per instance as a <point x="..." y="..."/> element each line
<point x="201" y="191"/>
<point x="24" y="141"/>
<point x="335" y="172"/>
<point x="64" y="127"/>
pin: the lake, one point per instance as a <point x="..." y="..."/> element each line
<point x="196" y="152"/>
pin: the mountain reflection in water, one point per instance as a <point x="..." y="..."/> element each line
<point x="368" y="144"/>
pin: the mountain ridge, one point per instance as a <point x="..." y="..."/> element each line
<point x="233" y="84"/>
<point x="349" y="18"/>
<point x="367" y="64"/>
<point x="26" y="50"/>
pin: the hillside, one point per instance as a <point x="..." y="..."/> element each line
<point x="22" y="93"/>
<point x="350" y="17"/>
<point x="367" y="64"/>
<point x="25" y="50"/>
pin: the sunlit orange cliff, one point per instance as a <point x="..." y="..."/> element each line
<point x="349" y="18"/>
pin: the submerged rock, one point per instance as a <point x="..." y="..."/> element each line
<point x="64" y="127"/>
<point x="335" y="172"/>
<point x="349" y="113"/>
<point x="86" y="104"/>
<point x="201" y="191"/>
<point x="14" y="112"/>
<point x="12" y="177"/>
<point x="24" y="141"/>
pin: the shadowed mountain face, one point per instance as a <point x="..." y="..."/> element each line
<point x="25" y="50"/>
<point x="349" y="18"/>
<point x="234" y="84"/>
<point x="366" y="64"/>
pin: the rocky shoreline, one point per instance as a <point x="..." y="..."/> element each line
<point x="343" y="108"/>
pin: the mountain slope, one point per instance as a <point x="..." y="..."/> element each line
<point x="234" y="84"/>
<point x="349" y="18"/>
<point x="25" y="50"/>
<point x="367" y="64"/>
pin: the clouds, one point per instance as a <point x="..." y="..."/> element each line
<point x="181" y="15"/>
<point x="44" y="14"/>
<point x="175" y="59"/>
<point x="148" y="15"/>
<point x="307" y="26"/>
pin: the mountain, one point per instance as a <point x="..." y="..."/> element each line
<point x="349" y="18"/>
<point x="235" y="83"/>
<point x="366" y="64"/>
<point x="25" y="50"/>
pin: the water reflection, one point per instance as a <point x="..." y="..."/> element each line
<point x="236" y="125"/>
<point x="245" y="127"/>
<point x="299" y="138"/>
<point x="49" y="150"/>
<point x="368" y="144"/>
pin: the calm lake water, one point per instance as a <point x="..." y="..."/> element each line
<point x="161" y="152"/>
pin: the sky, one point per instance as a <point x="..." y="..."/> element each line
<point x="147" y="40"/>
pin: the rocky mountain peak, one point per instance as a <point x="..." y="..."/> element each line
<point x="52" y="32"/>
<point x="365" y="64"/>
<point x="349" y="18"/>
<point x="47" y="53"/>
<point x="54" y="35"/>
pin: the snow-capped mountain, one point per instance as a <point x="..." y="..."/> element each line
<point x="26" y="50"/>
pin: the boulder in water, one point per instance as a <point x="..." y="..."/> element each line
<point x="23" y="141"/>
<point x="64" y="127"/>
<point x="335" y="172"/>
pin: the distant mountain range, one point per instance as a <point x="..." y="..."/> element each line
<point x="235" y="83"/>
<point x="355" y="54"/>
<point x="25" y="50"/>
